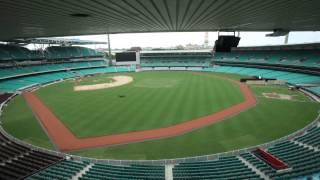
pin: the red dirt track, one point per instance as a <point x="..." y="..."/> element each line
<point x="63" y="138"/>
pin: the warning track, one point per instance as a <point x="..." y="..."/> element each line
<point x="65" y="140"/>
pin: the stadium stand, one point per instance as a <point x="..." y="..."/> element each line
<point x="66" y="169"/>
<point x="21" y="68"/>
<point x="290" y="77"/>
<point x="301" y="153"/>
<point x="101" y="171"/>
<point x="261" y="165"/>
<point x="17" y="53"/>
<point x="4" y="97"/>
<point x="303" y="160"/>
<point x="10" y="52"/>
<point x="36" y="69"/>
<point x="60" y="52"/>
<point x="17" y="161"/>
<point x="57" y="63"/>
<point x="305" y="58"/>
<point x="223" y="168"/>
<point x="176" y="59"/>
<point x="312" y="137"/>
<point x="270" y="159"/>
<point x="12" y="85"/>
<point x="315" y="89"/>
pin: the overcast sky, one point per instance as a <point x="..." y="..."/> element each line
<point x="183" y="38"/>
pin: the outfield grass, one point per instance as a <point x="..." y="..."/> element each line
<point x="269" y="120"/>
<point x="152" y="100"/>
<point x="18" y="120"/>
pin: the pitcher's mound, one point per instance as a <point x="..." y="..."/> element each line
<point x="117" y="81"/>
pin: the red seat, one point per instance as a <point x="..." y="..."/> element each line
<point x="270" y="159"/>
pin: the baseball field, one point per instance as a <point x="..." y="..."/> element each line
<point x="159" y="100"/>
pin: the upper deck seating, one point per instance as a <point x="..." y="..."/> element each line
<point x="303" y="58"/>
<point x="10" y="52"/>
<point x="60" y="52"/>
<point x="17" y="53"/>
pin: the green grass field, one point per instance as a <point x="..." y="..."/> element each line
<point x="18" y="120"/>
<point x="152" y="100"/>
<point x="157" y="99"/>
<point x="269" y="120"/>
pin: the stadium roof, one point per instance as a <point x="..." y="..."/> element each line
<point x="37" y="18"/>
<point x="61" y="41"/>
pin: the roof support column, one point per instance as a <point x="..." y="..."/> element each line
<point x="109" y="47"/>
<point x="286" y="38"/>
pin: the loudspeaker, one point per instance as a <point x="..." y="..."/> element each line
<point x="225" y="43"/>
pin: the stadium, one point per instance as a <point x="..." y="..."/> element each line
<point x="68" y="111"/>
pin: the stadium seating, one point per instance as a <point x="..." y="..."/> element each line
<point x="19" y="83"/>
<point x="101" y="171"/>
<point x="60" y="52"/>
<point x="276" y="163"/>
<point x="36" y="55"/>
<point x="223" y="168"/>
<point x="304" y="161"/>
<point x="17" y="161"/>
<point x="300" y="153"/>
<point x="175" y="62"/>
<point x="67" y="169"/>
<point x="315" y="89"/>
<point x="166" y="59"/>
<point x="13" y="53"/>
<point x="4" y="97"/>
<point x="312" y="137"/>
<point x="34" y="69"/>
<point x="255" y="161"/>
<point x="305" y="58"/>
<point x="17" y="53"/>
<point x="290" y="77"/>
<point x="16" y="77"/>
<point x="63" y="170"/>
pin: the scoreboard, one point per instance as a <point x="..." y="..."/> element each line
<point x="127" y="58"/>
